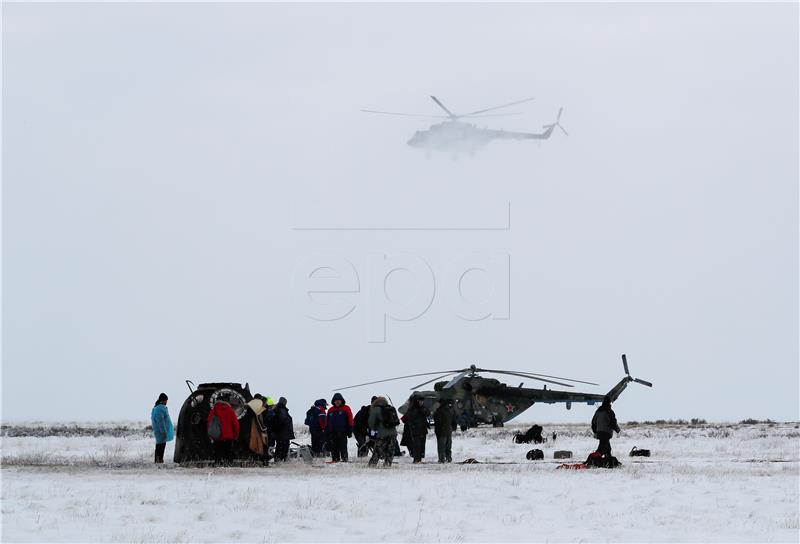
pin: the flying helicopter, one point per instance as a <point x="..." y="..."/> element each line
<point x="456" y="136"/>
<point x="478" y="400"/>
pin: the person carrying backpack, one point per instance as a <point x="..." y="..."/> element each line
<point x="163" y="431"/>
<point x="316" y="418"/>
<point x="223" y="430"/>
<point x="417" y="424"/>
<point x="604" y="423"/>
<point x="383" y="422"/>
<point x="284" y="430"/>
<point x="444" y="423"/>
<point x="339" y="428"/>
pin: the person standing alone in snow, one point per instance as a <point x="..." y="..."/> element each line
<point x="162" y="426"/>
<point x="604" y="423"/>
<point x="339" y="428"/>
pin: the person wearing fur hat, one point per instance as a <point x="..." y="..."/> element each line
<point x="339" y="428"/>
<point x="383" y="422"/>
<point x="162" y="426"/>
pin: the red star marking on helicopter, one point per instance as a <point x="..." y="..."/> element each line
<point x="509" y="408"/>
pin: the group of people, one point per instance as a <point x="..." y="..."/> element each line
<point x="374" y="427"/>
<point x="272" y="428"/>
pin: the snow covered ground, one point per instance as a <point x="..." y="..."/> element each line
<point x="703" y="483"/>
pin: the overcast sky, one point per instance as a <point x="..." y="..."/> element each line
<point x="162" y="164"/>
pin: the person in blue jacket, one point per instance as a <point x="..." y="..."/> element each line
<point x="162" y="426"/>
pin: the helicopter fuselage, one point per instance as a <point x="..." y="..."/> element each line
<point x="451" y="136"/>
<point x="460" y="137"/>
<point x="477" y="400"/>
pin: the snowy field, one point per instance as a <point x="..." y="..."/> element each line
<point x="732" y="483"/>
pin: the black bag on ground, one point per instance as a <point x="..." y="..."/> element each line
<point x="534" y="455"/>
<point x="534" y="434"/>
<point x="636" y="452"/>
<point x="596" y="460"/>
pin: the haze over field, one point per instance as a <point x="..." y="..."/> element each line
<point x="162" y="164"/>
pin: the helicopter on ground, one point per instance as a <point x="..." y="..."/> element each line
<point x="478" y="400"/>
<point x="456" y="136"/>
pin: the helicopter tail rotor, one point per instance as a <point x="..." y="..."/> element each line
<point x="557" y="123"/>
<point x="623" y="383"/>
<point x="628" y="374"/>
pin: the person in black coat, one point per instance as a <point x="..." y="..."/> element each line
<point x="417" y="424"/>
<point x="316" y="418"/>
<point x="444" y="423"/>
<point x="284" y="430"/>
<point x="604" y="423"/>
<point x="361" y="428"/>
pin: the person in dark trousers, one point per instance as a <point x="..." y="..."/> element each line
<point x="284" y="430"/>
<point x="604" y="423"/>
<point x="268" y="418"/>
<point x="417" y="423"/>
<point x="444" y="423"/>
<point x="163" y="431"/>
<point x="339" y="428"/>
<point x="361" y="428"/>
<point x="316" y="418"/>
<point x="383" y="424"/>
<point x="228" y="428"/>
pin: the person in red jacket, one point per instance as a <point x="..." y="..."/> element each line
<point x="223" y="431"/>
<point x="339" y="428"/>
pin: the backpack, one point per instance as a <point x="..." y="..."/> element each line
<point x="310" y="417"/>
<point x="215" y="427"/>
<point x="389" y="416"/>
<point x="534" y="455"/>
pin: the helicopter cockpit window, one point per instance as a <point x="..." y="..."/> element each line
<point x="235" y="399"/>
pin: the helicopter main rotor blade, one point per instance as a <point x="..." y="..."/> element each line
<point x="536" y="375"/>
<point x="468" y="116"/>
<point x="433" y="380"/>
<point x="522" y="376"/>
<point x="398" y="378"/>
<point x="439" y="103"/>
<point x="427" y="116"/>
<point x="460" y="375"/>
<point x="498" y="107"/>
